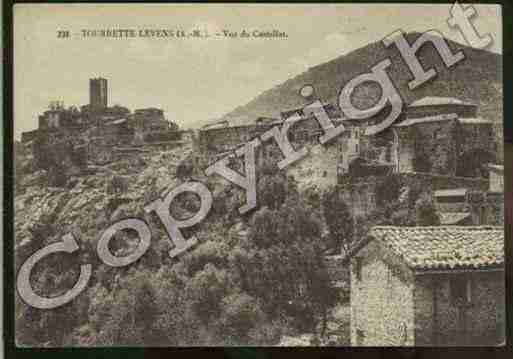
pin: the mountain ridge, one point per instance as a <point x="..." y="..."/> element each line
<point x="477" y="78"/>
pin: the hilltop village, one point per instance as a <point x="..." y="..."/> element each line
<point x="437" y="142"/>
<point x="407" y="283"/>
<point x="67" y="140"/>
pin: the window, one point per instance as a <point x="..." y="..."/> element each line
<point x="325" y="174"/>
<point x="356" y="147"/>
<point x="358" y="268"/>
<point x="388" y="154"/>
<point x="482" y="215"/>
<point x="461" y="290"/>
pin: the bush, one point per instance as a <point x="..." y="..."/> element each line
<point x="388" y="190"/>
<point x="339" y="218"/>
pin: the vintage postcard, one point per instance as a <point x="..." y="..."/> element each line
<point x="258" y="175"/>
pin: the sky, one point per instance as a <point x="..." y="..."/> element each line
<point x="195" y="80"/>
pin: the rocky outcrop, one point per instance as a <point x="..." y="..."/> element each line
<point x="83" y="205"/>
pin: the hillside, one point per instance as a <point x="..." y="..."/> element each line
<point x="477" y="78"/>
<point x="160" y="301"/>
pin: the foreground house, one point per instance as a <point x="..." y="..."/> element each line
<point x="428" y="286"/>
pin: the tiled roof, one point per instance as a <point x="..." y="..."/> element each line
<point x="451" y="192"/>
<point x="444" y="247"/>
<point x="436" y="118"/>
<point x="434" y="101"/>
<point x="474" y="121"/>
<point x="452" y="217"/>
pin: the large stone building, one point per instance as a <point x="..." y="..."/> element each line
<point x="422" y="286"/>
<point x="474" y="205"/>
<point x="437" y="143"/>
<point x="95" y="131"/>
<point x="215" y="142"/>
<point x="444" y="136"/>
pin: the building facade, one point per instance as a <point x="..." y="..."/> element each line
<point x="422" y="286"/>
<point x="444" y="136"/>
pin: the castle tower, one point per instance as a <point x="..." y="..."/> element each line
<point x="98" y="93"/>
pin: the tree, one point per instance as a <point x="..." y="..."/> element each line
<point x="272" y="191"/>
<point x="128" y="314"/>
<point x="206" y="290"/>
<point x="240" y="314"/>
<point x="422" y="162"/>
<point x="388" y="190"/>
<point x="339" y="218"/>
<point x="283" y="252"/>
<point x="185" y="168"/>
<point x="426" y="212"/>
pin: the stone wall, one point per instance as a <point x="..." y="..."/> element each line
<point x="475" y="136"/>
<point x="338" y="270"/>
<point x="428" y="147"/>
<point x="317" y="170"/>
<point x="438" y="182"/>
<point x="381" y="300"/>
<point x="441" y="146"/>
<point x="439" y="320"/>
<point x="360" y="195"/>
<point x="216" y="141"/>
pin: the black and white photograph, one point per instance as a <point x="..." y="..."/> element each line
<point x="257" y="175"/>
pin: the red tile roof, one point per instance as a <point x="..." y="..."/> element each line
<point x="444" y="247"/>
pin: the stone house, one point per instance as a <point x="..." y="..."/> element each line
<point x="443" y="136"/>
<point x="423" y="286"/>
<point x="116" y="132"/>
<point x="474" y="206"/>
<point x="150" y="120"/>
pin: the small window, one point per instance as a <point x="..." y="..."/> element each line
<point x="325" y="174"/>
<point x="356" y="147"/>
<point x="461" y="290"/>
<point x="358" y="268"/>
<point x="482" y="215"/>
